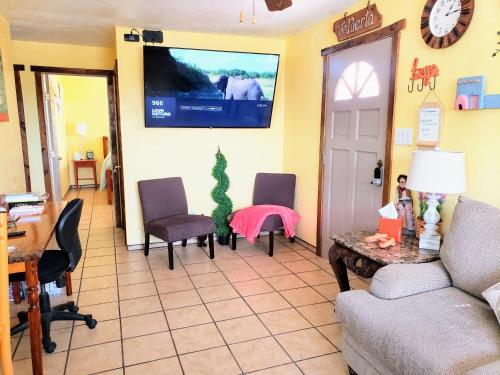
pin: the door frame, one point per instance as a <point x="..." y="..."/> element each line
<point x="393" y="31"/>
<point x="114" y="125"/>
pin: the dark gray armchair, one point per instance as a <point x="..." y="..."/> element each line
<point x="276" y="189"/>
<point x="165" y="215"/>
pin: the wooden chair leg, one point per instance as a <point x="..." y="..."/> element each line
<point x="233" y="241"/>
<point x="271" y="243"/>
<point x="69" y="286"/>
<point x="146" y="244"/>
<point x="201" y="241"/>
<point x="171" y="255"/>
<point x="211" y="245"/>
<point x="16" y="291"/>
<point x="184" y="243"/>
<point x="292" y="239"/>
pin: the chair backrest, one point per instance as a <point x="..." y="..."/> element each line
<point x="67" y="235"/>
<point x="471" y="248"/>
<point x="274" y="188"/>
<point x="5" y="350"/>
<point x="161" y="198"/>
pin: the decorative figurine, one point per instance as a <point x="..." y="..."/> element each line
<point x="404" y="204"/>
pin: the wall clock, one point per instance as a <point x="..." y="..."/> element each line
<point x="445" y="21"/>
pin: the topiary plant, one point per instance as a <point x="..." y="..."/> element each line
<point x="224" y="203"/>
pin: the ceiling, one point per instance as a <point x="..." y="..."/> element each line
<point x="91" y="22"/>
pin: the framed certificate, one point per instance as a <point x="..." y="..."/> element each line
<point x="429" y="124"/>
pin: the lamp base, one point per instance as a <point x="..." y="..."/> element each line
<point x="429" y="242"/>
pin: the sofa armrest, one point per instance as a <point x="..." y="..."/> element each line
<point x="403" y="280"/>
<point x="491" y="368"/>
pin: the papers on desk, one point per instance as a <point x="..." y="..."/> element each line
<point x="25" y="198"/>
<point x="27" y="210"/>
<point x="11" y="249"/>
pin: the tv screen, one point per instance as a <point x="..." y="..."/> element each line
<point x="188" y="88"/>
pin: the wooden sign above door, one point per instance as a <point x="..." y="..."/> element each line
<point x="358" y="23"/>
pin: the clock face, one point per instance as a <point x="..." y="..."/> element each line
<point x="445" y="21"/>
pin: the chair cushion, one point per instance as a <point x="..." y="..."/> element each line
<point x="180" y="227"/>
<point x="445" y="331"/>
<point x="492" y="295"/>
<point x="52" y="265"/>
<point x="471" y="248"/>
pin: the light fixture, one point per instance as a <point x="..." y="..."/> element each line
<point x="435" y="172"/>
<point x="242" y="13"/>
<point x="81" y="130"/>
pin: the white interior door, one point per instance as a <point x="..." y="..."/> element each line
<point x="355" y="135"/>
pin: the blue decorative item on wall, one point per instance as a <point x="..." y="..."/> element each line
<point x="470" y="95"/>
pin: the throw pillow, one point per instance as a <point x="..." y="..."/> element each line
<point x="492" y="295"/>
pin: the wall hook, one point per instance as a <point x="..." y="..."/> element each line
<point x="420" y="86"/>
<point x="433" y="86"/>
<point x="412" y="86"/>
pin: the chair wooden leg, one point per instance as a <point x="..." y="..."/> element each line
<point x="271" y="243"/>
<point x="171" y="255"/>
<point x="233" y="241"/>
<point x="16" y="291"/>
<point x="211" y="245"/>
<point x="184" y="243"/>
<point x="292" y="239"/>
<point x="146" y="244"/>
<point x="201" y="241"/>
<point x="69" y="286"/>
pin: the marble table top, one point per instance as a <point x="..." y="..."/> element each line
<point x="405" y="252"/>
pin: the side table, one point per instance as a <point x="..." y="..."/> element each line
<point x="77" y="164"/>
<point x="350" y="251"/>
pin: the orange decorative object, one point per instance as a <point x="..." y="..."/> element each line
<point x="376" y="237"/>
<point x="424" y="74"/>
<point x="385" y="244"/>
<point x="391" y="227"/>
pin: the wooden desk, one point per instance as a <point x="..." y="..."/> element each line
<point x="77" y="164"/>
<point x="29" y="248"/>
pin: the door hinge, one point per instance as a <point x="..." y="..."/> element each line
<point x="46" y="97"/>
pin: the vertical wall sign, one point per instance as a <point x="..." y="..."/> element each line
<point x="358" y="23"/>
<point x="4" y="114"/>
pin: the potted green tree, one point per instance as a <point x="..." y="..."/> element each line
<point x="224" y="204"/>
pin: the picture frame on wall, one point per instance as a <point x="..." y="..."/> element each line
<point x="4" y="113"/>
<point x="430" y="122"/>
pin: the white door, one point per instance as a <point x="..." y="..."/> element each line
<point x="355" y="134"/>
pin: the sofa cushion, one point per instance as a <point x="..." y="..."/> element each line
<point x="492" y="295"/>
<point x="180" y="227"/>
<point x="445" y="331"/>
<point x="471" y="248"/>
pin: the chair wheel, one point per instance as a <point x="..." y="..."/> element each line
<point x="91" y="323"/>
<point x="22" y="316"/>
<point x="74" y="309"/>
<point x="50" y="347"/>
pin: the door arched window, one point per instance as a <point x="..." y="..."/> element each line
<point x="358" y="80"/>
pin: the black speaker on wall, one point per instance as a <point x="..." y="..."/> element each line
<point x="151" y="36"/>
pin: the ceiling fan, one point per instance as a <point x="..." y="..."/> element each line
<point x="274" y="5"/>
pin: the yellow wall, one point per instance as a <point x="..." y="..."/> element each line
<point x="11" y="160"/>
<point x="477" y="133"/>
<point x="190" y="153"/>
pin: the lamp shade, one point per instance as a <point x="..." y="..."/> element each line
<point x="81" y="128"/>
<point x="437" y="172"/>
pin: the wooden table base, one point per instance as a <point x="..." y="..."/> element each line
<point x="34" y="315"/>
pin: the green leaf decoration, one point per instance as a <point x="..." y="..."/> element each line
<point x="224" y="204"/>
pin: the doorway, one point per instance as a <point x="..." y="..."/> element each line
<point x="356" y="141"/>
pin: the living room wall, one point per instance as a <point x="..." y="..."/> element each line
<point x="190" y="153"/>
<point x="474" y="132"/>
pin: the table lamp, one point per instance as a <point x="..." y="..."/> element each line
<point x="435" y="172"/>
<point x="81" y="130"/>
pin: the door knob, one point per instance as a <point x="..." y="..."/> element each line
<point x="378" y="174"/>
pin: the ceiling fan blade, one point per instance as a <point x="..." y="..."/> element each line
<point x="274" y="5"/>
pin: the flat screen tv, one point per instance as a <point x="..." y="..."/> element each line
<point x="192" y="88"/>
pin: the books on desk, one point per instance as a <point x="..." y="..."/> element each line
<point x="26" y="204"/>
<point x="27" y="210"/>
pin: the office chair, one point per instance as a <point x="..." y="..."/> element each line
<point x="52" y="267"/>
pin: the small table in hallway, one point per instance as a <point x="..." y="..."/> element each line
<point x="350" y="251"/>
<point x="77" y="164"/>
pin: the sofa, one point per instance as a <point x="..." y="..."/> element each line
<point x="430" y="318"/>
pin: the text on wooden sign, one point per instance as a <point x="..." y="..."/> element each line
<point x="358" y="23"/>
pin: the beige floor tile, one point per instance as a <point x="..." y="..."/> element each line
<point x="330" y="291"/>
<point x="60" y="336"/>
<point x="101" y="312"/>
<point x="97" y="244"/>
<point x="217" y="293"/>
<point x="137" y="290"/>
<point x="251" y="287"/>
<point x="261" y="260"/>
<point x="242" y="274"/>
<point x="99" y="261"/>
<point x="209" y="279"/>
<point x="139" y="306"/>
<point x="174" y="285"/>
<point x="358" y="284"/>
<point x="118" y="371"/>
<point x="99" y="271"/>
<point x="197" y="338"/>
<point x="188" y="316"/>
<point x="232" y="264"/>
<point x="147" y="348"/>
<point x="95" y="297"/>
<point x="308" y="254"/>
<point x="267" y="302"/>
<point x="288" y="256"/>
<point x="290" y="369"/>
<point x="317" y="277"/>
<point x="242" y="329"/>
<point x="302" y="296"/>
<point x="104" y="332"/>
<point x="144" y="324"/>
<point x="100" y="282"/>
<point x="325" y="365"/>
<point x="225" y="253"/>
<point x="249" y="252"/>
<point x="293" y="245"/>
<point x="135" y="278"/>
<point x="305" y="344"/>
<point x="272" y="270"/>
<point x="218" y="361"/>
<point x="131" y="256"/>
<point x="285" y="282"/>
<point x="229" y="309"/>
<point x="167" y="366"/>
<point x="94" y="359"/>
<point x="103" y="251"/>
<point x="301" y="266"/>
<point x="180" y="299"/>
<point x="284" y="321"/>
<point x="199" y="257"/>
<point x="259" y="354"/>
<point x="52" y="365"/>
<point x="321" y="262"/>
<point x="165" y="273"/>
<point x="201" y="268"/>
<point x="333" y="332"/>
<point x="319" y="314"/>
<point x="142" y="265"/>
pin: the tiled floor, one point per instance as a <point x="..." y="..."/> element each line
<point x="244" y="312"/>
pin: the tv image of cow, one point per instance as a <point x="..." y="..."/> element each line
<point x="239" y="88"/>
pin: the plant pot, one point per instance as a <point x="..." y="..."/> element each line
<point x="223" y="239"/>
<point x="419" y="227"/>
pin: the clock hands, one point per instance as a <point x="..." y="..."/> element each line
<point x="456" y="10"/>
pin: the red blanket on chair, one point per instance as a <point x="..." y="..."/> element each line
<point x="248" y="221"/>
